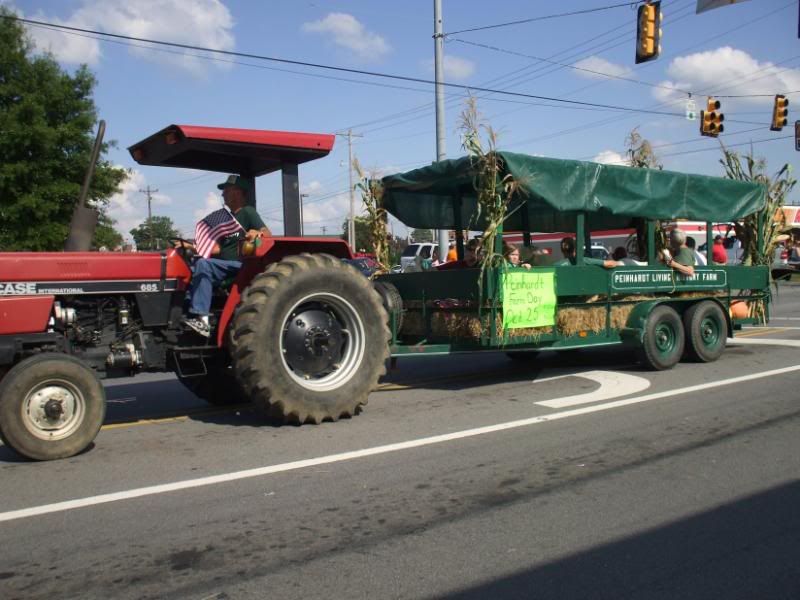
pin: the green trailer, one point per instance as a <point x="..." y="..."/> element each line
<point x="663" y="315"/>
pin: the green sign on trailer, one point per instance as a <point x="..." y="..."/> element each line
<point x="651" y="280"/>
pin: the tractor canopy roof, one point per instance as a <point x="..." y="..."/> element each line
<point x="553" y="191"/>
<point x="249" y="152"/>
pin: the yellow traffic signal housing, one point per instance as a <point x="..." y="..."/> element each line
<point x="648" y="32"/>
<point x="780" y="113"/>
<point x="711" y="119"/>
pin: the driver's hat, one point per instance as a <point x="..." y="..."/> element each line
<point x="235" y="180"/>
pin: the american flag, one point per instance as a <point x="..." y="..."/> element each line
<point x="215" y="226"/>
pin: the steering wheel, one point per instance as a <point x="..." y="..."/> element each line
<point x="184" y="248"/>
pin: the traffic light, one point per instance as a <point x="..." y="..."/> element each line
<point x="648" y="32"/>
<point x="711" y="119"/>
<point x="780" y="113"/>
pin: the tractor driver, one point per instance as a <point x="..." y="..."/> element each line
<point x="217" y="241"/>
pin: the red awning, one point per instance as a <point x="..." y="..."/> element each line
<point x="249" y="152"/>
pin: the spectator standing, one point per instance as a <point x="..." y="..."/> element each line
<point x="718" y="254"/>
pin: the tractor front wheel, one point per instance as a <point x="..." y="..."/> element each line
<point x="311" y="339"/>
<point x="51" y="406"/>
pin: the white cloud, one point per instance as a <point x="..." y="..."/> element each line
<point x="600" y="65"/>
<point x="328" y="213"/>
<point x="727" y="71"/>
<point x="206" y="23"/>
<point x="128" y="207"/>
<point x="211" y="203"/>
<point x="609" y="157"/>
<point x="313" y="187"/>
<point x="455" y="68"/>
<point x="349" y="33"/>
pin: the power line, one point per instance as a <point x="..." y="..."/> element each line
<point x="537" y="73"/>
<point x="542" y="18"/>
<point x="336" y="68"/>
<point x="622" y="117"/>
<point x="609" y="75"/>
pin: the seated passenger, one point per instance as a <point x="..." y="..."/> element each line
<point x="470" y="258"/>
<point x="680" y="258"/>
<point x="621" y="256"/>
<point x="511" y="255"/>
<point x="699" y="258"/>
<point x="568" y="250"/>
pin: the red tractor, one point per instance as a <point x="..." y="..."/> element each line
<point x="299" y="332"/>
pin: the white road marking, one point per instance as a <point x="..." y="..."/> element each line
<point x="612" y="385"/>
<point x="764" y="342"/>
<point x="374" y="451"/>
<point x="784" y="319"/>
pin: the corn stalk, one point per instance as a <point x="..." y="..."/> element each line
<point x="641" y="155"/>
<point x="371" y="191"/>
<point x="773" y="220"/>
<point x="494" y="191"/>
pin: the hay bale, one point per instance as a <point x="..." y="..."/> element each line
<point x="571" y="321"/>
<point x="620" y="314"/>
<point x="456" y="324"/>
<point x="413" y="324"/>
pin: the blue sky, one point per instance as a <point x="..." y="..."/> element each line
<point x="748" y="48"/>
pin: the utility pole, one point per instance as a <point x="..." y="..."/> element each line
<point x="438" y="47"/>
<point x="324" y="229"/>
<point x="149" y="193"/>
<point x="302" y="229"/>
<point x="351" y="223"/>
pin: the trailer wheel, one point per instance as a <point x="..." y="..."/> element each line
<point x="311" y="339"/>
<point x="663" y="341"/>
<point x="392" y="301"/>
<point x="706" y="331"/>
<point x="51" y="406"/>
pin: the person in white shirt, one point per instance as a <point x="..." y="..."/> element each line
<point x="700" y="259"/>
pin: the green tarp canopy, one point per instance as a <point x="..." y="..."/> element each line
<point x="554" y="191"/>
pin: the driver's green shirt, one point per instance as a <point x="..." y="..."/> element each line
<point x="229" y="245"/>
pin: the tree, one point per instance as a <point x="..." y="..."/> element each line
<point x="363" y="243"/>
<point x="106" y="235"/>
<point x="46" y="122"/>
<point x="422" y="235"/>
<point x="154" y="233"/>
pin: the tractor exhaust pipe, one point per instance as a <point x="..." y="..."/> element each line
<point x="84" y="219"/>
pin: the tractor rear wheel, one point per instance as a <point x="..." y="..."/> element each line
<point x="51" y="406"/>
<point x="311" y="339"/>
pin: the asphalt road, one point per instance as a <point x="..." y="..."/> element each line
<point x="577" y="476"/>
